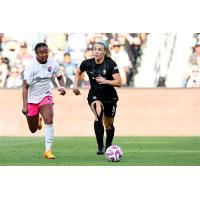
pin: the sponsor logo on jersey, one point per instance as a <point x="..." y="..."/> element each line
<point x="37" y="78"/>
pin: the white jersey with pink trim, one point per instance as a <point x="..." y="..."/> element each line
<point x="38" y="77"/>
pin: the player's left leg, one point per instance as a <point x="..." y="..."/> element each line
<point x="109" y="112"/>
<point x="110" y="131"/>
<point x="46" y="112"/>
<point x="39" y="122"/>
<point x="97" y="109"/>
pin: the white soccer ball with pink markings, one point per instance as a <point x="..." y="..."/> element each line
<point x="114" y="153"/>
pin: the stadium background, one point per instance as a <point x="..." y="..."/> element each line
<point x="141" y="112"/>
<point x="181" y="182"/>
<point x="152" y="99"/>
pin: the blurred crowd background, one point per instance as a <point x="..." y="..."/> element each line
<point x="145" y="60"/>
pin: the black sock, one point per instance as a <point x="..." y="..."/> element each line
<point x="99" y="132"/>
<point x="110" y="136"/>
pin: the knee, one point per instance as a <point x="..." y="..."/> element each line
<point x="108" y="126"/>
<point x="48" y="120"/>
<point x="99" y="111"/>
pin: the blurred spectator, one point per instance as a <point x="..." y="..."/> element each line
<point x="58" y="55"/>
<point x="70" y="69"/>
<point x="10" y="49"/>
<point x="4" y="69"/>
<point x="132" y="45"/>
<point x="191" y="77"/>
<point x="67" y="81"/>
<point x="14" y="80"/>
<point x="17" y="49"/>
<point x="85" y="79"/>
<point x="57" y="43"/>
<point x="1" y="37"/>
<point x="18" y="63"/>
<point x="161" y="82"/>
<point x="88" y="52"/>
<point x="23" y="55"/>
<point x="197" y="36"/>
<point x="121" y="58"/>
<point x="195" y="54"/>
<point x="143" y="37"/>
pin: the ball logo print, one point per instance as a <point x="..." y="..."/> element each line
<point x="114" y="153"/>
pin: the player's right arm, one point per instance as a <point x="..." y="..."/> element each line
<point x="78" y="73"/>
<point x="28" y="78"/>
<point x="25" y="97"/>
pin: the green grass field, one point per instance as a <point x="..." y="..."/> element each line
<point x="81" y="151"/>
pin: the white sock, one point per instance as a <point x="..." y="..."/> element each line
<point x="49" y="133"/>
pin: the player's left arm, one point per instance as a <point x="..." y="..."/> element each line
<point x="25" y="97"/>
<point x="61" y="82"/>
<point x="60" y="79"/>
<point x="115" y="83"/>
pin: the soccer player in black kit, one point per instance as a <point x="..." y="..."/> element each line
<point x="102" y="98"/>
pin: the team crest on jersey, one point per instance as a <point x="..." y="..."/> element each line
<point x="49" y="68"/>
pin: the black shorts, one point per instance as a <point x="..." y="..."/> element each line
<point x="109" y="108"/>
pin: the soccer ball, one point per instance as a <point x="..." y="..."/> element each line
<point x="114" y="153"/>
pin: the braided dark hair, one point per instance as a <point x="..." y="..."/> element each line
<point x="38" y="45"/>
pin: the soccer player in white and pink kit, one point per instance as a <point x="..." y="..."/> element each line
<point x="37" y="95"/>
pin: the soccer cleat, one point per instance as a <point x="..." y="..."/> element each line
<point x="49" y="155"/>
<point x="100" y="151"/>
<point x="39" y="123"/>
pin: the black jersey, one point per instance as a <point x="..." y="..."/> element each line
<point x="103" y="92"/>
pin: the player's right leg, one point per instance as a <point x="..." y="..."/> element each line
<point x="33" y="117"/>
<point x="97" y="109"/>
<point x="33" y="123"/>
